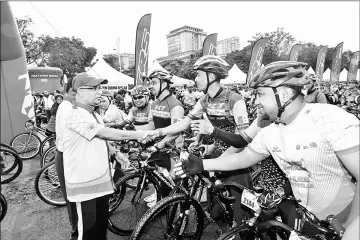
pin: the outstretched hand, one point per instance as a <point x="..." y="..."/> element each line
<point x="190" y="166"/>
<point x="202" y="126"/>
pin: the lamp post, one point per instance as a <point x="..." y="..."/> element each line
<point x="118" y="51"/>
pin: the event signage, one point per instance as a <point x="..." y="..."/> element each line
<point x="142" y="49"/>
<point x="294" y="53"/>
<point x="353" y="67"/>
<point x="320" y="62"/>
<point x="336" y="63"/>
<point x="209" y="45"/>
<point x="256" y="57"/>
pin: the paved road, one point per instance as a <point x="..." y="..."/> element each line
<point x="28" y="218"/>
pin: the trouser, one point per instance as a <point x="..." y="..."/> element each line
<point x="91" y="218"/>
<point x="71" y="208"/>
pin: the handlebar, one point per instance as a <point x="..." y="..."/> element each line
<point x="336" y="225"/>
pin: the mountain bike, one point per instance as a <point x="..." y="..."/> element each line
<point x="28" y="144"/>
<point x="3" y="207"/>
<point x="262" y="222"/>
<point x="11" y="164"/>
<point x="181" y="215"/>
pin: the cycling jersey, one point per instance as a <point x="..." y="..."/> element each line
<point x="306" y="150"/>
<point x="220" y="111"/>
<point x="161" y="111"/>
<point x="141" y="116"/>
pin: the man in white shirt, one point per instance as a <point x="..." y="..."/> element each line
<point x="86" y="153"/>
<point x="48" y="102"/>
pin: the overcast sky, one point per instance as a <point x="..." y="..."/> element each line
<point x="98" y="24"/>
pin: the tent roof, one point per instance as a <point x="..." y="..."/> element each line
<point x="235" y="76"/>
<point x="326" y="75"/>
<point x="103" y="70"/>
<point x="343" y="75"/>
<point x="310" y="70"/>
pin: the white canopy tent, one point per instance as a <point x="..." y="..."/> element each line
<point x="326" y="75"/>
<point x="343" y="75"/>
<point x="235" y="76"/>
<point x="103" y="70"/>
<point x="310" y="70"/>
<point x="178" y="81"/>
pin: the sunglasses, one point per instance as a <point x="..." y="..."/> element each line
<point x="97" y="88"/>
<point x="138" y="97"/>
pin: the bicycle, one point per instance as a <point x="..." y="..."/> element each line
<point x="48" y="156"/>
<point x="28" y="144"/>
<point x="3" y="207"/>
<point x="181" y="208"/>
<point x="261" y="223"/>
<point x="9" y="161"/>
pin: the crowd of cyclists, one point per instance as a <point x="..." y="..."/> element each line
<point x="302" y="133"/>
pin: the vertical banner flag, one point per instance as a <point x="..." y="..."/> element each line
<point x="256" y="57"/>
<point x="209" y="45"/>
<point x="336" y="63"/>
<point x="17" y="103"/>
<point x="320" y="62"/>
<point x="142" y="49"/>
<point x="294" y="53"/>
<point x="353" y="67"/>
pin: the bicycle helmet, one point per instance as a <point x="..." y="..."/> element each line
<point x="140" y="90"/>
<point x="282" y="73"/>
<point x="162" y="75"/>
<point x="212" y="64"/>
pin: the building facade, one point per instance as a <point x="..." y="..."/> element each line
<point x="127" y="60"/>
<point x="227" y="46"/>
<point x="185" y="39"/>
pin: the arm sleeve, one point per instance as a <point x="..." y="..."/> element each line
<point x="78" y="122"/>
<point x="235" y="140"/>
<point x="341" y="130"/>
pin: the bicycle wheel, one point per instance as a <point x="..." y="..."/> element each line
<point x="26" y="145"/>
<point x="10" y="158"/>
<point x="128" y="205"/>
<point x="3" y="207"/>
<point x="47" y="186"/>
<point x="237" y="231"/>
<point x="47" y="143"/>
<point x="48" y="156"/>
<point x="10" y="165"/>
<point x="166" y="220"/>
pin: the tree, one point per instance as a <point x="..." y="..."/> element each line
<point x="129" y="72"/>
<point x="280" y="43"/>
<point x="113" y="60"/>
<point x="31" y="44"/>
<point x="68" y="54"/>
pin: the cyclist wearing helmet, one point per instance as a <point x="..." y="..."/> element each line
<point x="165" y="110"/>
<point x="139" y="114"/>
<point x="316" y="145"/>
<point x="312" y="94"/>
<point x="225" y="109"/>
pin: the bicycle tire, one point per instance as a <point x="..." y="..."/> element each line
<point x="48" y="156"/>
<point x="236" y="231"/>
<point x="19" y="164"/>
<point x="52" y="180"/>
<point x="5" y="146"/>
<point x="24" y="153"/>
<point x="157" y="211"/>
<point x="48" y="140"/>
<point x="122" y="186"/>
<point x="3" y="207"/>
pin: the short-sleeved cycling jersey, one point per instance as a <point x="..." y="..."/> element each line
<point x="220" y="111"/>
<point x="141" y="116"/>
<point x="161" y="111"/>
<point x="306" y="150"/>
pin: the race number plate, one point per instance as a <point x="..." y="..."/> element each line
<point x="249" y="200"/>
